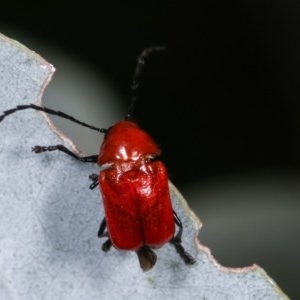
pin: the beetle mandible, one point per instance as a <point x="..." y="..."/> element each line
<point x="133" y="183"/>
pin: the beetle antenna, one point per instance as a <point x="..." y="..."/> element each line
<point x="51" y="112"/>
<point x="137" y="76"/>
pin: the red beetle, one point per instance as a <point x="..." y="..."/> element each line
<point x="133" y="183"/>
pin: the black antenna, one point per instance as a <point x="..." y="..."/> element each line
<point x="48" y="111"/>
<point x="134" y="88"/>
<point x="137" y="76"/>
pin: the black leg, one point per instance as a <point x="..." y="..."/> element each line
<point x="102" y="228"/>
<point x="176" y="241"/>
<point x="106" y="245"/>
<point x="94" y="178"/>
<point x="102" y="233"/>
<point x="90" y="159"/>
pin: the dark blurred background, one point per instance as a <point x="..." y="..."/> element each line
<point x="222" y="101"/>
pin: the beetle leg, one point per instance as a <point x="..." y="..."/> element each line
<point x="62" y="148"/>
<point x="102" y="228"/>
<point x="94" y="178"/>
<point x="176" y="241"/>
<point x="102" y="233"/>
<point x="106" y="245"/>
<point x="179" y="224"/>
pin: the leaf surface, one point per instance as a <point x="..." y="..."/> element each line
<point x="49" y="217"/>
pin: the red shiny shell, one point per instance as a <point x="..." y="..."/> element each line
<point x="137" y="205"/>
<point x="126" y="141"/>
<point x="135" y="189"/>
